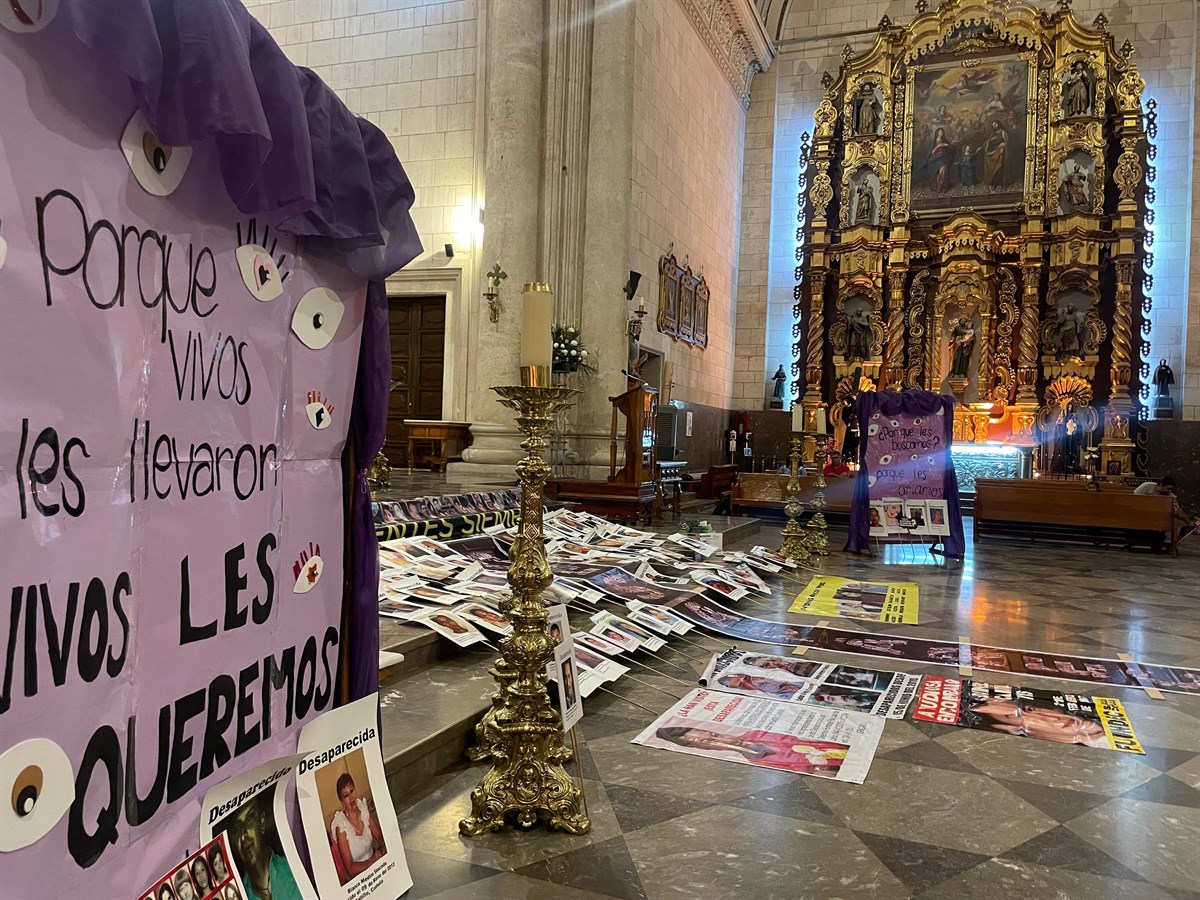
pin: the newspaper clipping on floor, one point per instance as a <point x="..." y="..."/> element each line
<point x="1027" y="712"/>
<point x="872" y="601"/>
<point x="886" y="694"/>
<point x="763" y="732"/>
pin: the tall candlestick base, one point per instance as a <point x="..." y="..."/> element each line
<point x="817" y="539"/>
<point x="793" y="532"/>
<point x="527" y="781"/>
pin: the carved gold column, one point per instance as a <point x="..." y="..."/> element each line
<point x="1116" y="445"/>
<point x="893" y="354"/>
<point x="815" y="346"/>
<point x="1027" y="352"/>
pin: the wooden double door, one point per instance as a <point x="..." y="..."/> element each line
<point x="417" y="326"/>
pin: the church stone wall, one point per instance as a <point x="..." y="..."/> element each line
<point x="1164" y="33"/>
<point x="688" y="131"/>
<point x="412" y="72"/>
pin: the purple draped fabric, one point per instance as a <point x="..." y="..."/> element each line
<point x="291" y="152"/>
<point x="913" y="403"/>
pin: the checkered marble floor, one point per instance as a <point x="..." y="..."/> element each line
<point x="944" y="813"/>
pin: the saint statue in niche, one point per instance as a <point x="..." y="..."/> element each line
<point x="1070" y="332"/>
<point x="1077" y="91"/>
<point x="864" y="205"/>
<point x="779" y="378"/>
<point x="962" y="342"/>
<point x="867" y="111"/>
<point x="858" y="335"/>
<point x="1073" y="193"/>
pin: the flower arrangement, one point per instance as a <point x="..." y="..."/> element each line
<point x="569" y="353"/>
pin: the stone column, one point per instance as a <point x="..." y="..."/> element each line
<point x="604" y="260"/>
<point x="512" y="87"/>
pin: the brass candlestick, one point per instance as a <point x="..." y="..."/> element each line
<point x="527" y="776"/>
<point x="793" y="533"/>
<point x="817" y="540"/>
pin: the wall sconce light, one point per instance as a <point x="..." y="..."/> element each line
<point x="492" y="294"/>
<point x="633" y="327"/>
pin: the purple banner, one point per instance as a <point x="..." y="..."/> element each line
<point x="177" y="382"/>
<point x="905" y="456"/>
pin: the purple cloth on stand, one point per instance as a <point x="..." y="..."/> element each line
<point x="291" y="152"/>
<point x="915" y="403"/>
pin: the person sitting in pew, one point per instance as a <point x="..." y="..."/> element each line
<point x="1165" y="486"/>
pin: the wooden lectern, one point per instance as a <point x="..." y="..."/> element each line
<point x="639" y="406"/>
<point x="629" y="495"/>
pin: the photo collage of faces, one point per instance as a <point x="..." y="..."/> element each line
<point x="893" y="517"/>
<point x="205" y="875"/>
<point x="798" y="680"/>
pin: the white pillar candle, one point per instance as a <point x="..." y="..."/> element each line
<point x="537" y="320"/>
<point x="641" y="304"/>
<point x="797" y="417"/>
<point x="821" y="420"/>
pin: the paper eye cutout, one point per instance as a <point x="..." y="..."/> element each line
<point x="37" y="787"/>
<point x="27" y="16"/>
<point x="319" y="412"/>
<point x="307" y="569"/>
<point x="917" y="420"/>
<point x="158" y="167"/>
<point x="3" y="250"/>
<point x="317" y="317"/>
<point x="261" y="272"/>
<point x="885" y="459"/>
<point x="914" y="456"/>
<point x="941" y="412"/>
<point x="895" y="423"/>
<point x="870" y="479"/>
<point x="872" y="429"/>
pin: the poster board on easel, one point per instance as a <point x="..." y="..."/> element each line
<point x="906" y="490"/>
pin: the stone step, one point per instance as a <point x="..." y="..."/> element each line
<point x="429" y="711"/>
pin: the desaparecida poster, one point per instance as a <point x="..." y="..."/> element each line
<point x="177" y="385"/>
<point x="349" y="820"/>
<point x="249" y="809"/>
<point x="1028" y="712"/>
<point x="798" y="680"/>
<point x="757" y="731"/>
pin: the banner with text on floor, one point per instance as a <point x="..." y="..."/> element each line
<point x="845" y="598"/>
<point x="1027" y="712"/>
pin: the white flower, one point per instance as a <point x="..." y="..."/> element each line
<point x="583" y="353"/>
<point x="574" y="343"/>
<point x="570" y="331"/>
<point x="573" y="353"/>
<point x="556" y="345"/>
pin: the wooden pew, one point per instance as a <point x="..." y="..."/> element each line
<point x="1066" y="509"/>
<point x="766" y="492"/>
<point x="716" y="482"/>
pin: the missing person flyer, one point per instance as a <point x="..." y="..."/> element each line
<point x="872" y="601"/>
<point x="249" y="810"/>
<point x="887" y="694"/>
<point x="1026" y="712"/>
<point x="757" y="731"/>
<point x="208" y="874"/>
<point x="349" y="821"/>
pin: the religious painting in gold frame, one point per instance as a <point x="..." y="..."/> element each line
<point x="700" y="325"/>
<point x="669" y="279"/>
<point x="687" y="307"/>
<point x="969" y="131"/>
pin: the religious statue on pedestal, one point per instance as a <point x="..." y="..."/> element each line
<point x="962" y="339"/>
<point x="1164" y="406"/>
<point x="864" y="205"/>
<point x="777" y="394"/>
<point x="858" y="335"/>
<point x="1077" y="91"/>
<point x="866" y="111"/>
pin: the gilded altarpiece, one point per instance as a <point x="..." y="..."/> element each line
<point x="974" y="218"/>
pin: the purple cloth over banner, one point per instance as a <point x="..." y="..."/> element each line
<point x="936" y="415"/>
<point x="288" y="150"/>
